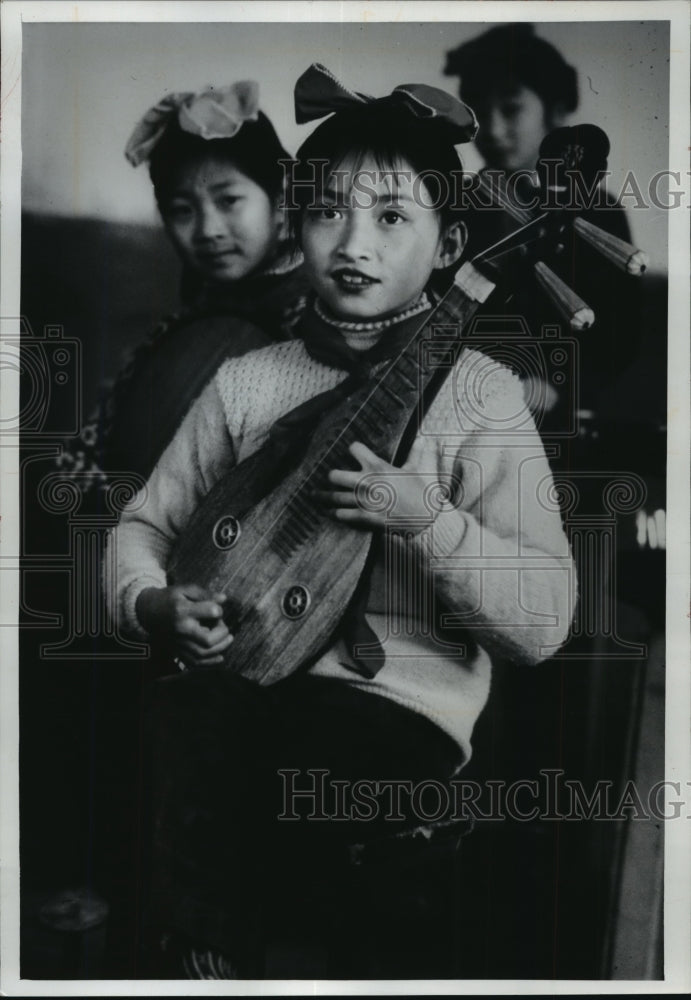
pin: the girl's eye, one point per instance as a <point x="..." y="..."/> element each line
<point x="228" y="200"/>
<point x="179" y="211"/>
<point x="392" y="218"/>
<point x="326" y="212"/>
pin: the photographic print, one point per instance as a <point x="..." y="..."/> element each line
<point x="345" y="497"/>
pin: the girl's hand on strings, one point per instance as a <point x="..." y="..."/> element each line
<point x="187" y="618"/>
<point x="380" y="493"/>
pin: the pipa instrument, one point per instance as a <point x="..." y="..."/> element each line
<point x="288" y="569"/>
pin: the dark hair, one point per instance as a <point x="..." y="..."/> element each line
<point x="389" y="134"/>
<point x="510" y="56"/>
<point x="255" y="150"/>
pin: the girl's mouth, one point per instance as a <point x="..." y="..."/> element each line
<point x="351" y="280"/>
<point x="217" y="255"/>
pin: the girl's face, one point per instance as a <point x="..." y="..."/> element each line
<point x="222" y="224"/>
<point x="370" y="245"/>
<point x="512" y="126"/>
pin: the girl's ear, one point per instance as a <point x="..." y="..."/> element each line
<point x="451" y="245"/>
<point x="555" y="117"/>
<point x="281" y="220"/>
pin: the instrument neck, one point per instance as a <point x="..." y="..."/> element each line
<point x="390" y="380"/>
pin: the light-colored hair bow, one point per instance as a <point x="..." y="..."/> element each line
<point x="212" y="113"/>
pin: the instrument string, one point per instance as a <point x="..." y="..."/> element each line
<point x="374" y="410"/>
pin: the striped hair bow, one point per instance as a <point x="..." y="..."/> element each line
<point x="318" y="93"/>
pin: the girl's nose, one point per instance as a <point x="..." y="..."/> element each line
<point x="356" y="241"/>
<point x="209" y="223"/>
<point x="495" y="126"/>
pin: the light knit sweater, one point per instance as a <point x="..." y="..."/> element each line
<point x="496" y="556"/>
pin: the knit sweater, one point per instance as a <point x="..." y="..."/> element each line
<point x="495" y="558"/>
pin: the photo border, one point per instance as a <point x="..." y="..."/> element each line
<point x="678" y="694"/>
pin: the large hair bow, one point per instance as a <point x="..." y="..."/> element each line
<point x="212" y="113"/>
<point x="318" y="93"/>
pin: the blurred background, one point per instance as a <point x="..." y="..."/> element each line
<point x="86" y="85"/>
<point x="541" y="900"/>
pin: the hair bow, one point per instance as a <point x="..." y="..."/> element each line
<point x="318" y="93"/>
<point x="212" y="113"/>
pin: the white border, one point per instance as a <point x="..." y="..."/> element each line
<point x="678" y="749"/>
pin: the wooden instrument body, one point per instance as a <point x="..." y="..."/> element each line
<point x="274" y="580"/>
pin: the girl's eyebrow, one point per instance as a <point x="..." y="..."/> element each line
<point x="393" y="198"/>
<point x="386" y="197"/>
<point x="185" y="192"/>
<point x="330" y="192"/>
<point x="222" y="186"/>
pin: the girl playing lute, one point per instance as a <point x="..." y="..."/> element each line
<point x="494" y="555"/>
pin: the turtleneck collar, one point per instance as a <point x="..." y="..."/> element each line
<point x="360" y="346"/>
<point x="362" y="335"/>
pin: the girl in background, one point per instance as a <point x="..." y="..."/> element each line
<point x="521" y="88"/>
<point x="215" y="163"/>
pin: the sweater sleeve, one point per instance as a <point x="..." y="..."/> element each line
<point x="498" y="556"/>
<point x="139" y="547"/>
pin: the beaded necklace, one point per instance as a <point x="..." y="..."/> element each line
<point x="373" y="326"/>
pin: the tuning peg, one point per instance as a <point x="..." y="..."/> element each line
<point x="625" y="256"/>
<point x="579" y="315"/>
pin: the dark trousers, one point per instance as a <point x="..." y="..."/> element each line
<point x="227" y="756"/>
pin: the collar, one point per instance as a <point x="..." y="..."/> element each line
<point x="373" y="326"/>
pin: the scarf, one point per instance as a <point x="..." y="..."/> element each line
<point x="290" y="435"/>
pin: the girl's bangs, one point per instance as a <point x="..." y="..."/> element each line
<point x="390" y="139"/>
<point x="387" y="159"/>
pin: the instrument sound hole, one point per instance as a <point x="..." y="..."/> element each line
<point x="226" y="532"/>
<point x="296" y="601"/>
